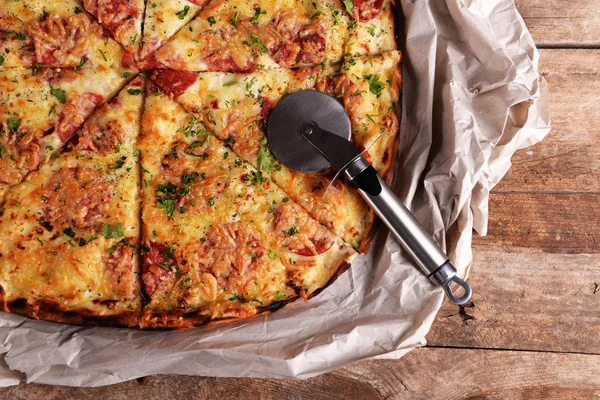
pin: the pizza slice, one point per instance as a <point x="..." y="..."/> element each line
<point x="163" y="19"/>
<point x="39" y="33"/>
<point x="41" y="109"/>
<point x="220" y="241"/>
<point x="235" y="106"/>
<point x="243" y="36"/>
<point x="123" y="18"/>
<point x="70" y="231"/>
<point x="371" y="32"/>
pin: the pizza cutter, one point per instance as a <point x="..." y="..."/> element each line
<point x="309" y="131"/>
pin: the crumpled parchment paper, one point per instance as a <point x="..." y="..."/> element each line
<point x="472" y="96"/>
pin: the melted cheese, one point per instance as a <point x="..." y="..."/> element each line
<point x="37" y="263"/>
<point x="93" y="45"/>
<point x="162" y="20"/>
<point x="247" y="204"/>
<point x="375" y="121"/>
<point x="29" y="98"/>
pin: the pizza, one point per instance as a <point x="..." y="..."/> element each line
<point x="137" y="186"/>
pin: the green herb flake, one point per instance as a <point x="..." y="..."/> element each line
<point x="77" y="10"/>
<point x="211" y="202"/>
<point x="293" y="230"/>
<point x="234" y="19"/>
<point x="211" y="20"/>
<point x="349" y="4"/>
<point x="236" y="297"/>
<point x="111" y="232"/>
<point x="2" y="60"/>
<point x="59" y="94"/>
<point x="126" y="74"/>
<point x="69" y="232"/>
<point x="375" y="85"/>
<point x="279" y="295"/>
<point x="257" y="41"/>
<point x="265" y="158"/>
<point x="272" y="255"/>
<point x="181" y="14"/>
<point x="231" y="83"/>
<point x="13" y="123"/>
<point x="134" y="92"/>
<point x="257" y="13"/>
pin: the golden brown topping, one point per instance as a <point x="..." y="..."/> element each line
<point x="76" y="197"/>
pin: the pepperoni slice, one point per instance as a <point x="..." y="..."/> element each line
<point x="366" y="10"/>
<point x="220" y="61"/>
<point x="76" y="110"/>
<point x="174" y="82"/>
<point x="321" y="245"/>
<point x="156" y="272"/>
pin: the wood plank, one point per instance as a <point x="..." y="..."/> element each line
<point x="550" y="222"/>
<point x="562" y="23"/>
<point x="569" y="158"/>
<point x="424" y="373"/>
<point x="527" y="300"/>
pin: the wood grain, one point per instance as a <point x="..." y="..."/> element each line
<point x="527" y="300"/>
<point x="429" y="373"/>
<point x="568" y="160"/>
<point x="562" y="23"/>
<point x="550" y="222"/>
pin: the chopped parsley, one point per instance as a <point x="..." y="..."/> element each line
<point x="257" y="41"/>
<point x="181" y="14"/>
<point x="234" y="19"/>
<point x="231" y="83"/>
<point x="111" y="232"/>
<point x="59" y="94"/>
<point x="13" y="123"/>
<point x="293" y="230"/>
<point x="1" y="60"/>
<point x="371" y="29"/>
<point x="134" y="92"/>
<point x="257" y="13"/>
<point x="82" y="62"/>
<point x="211" y="20"/>
<point x="265" y="158"/>
<point x="211" y="202"/>
<point x="193" y="145"/>
<point x="317" y="11"/>
<point x="77" y="10"/>
<point x="272" y="255"/>
<point x="69" y="232"/>
<point x="279" y="295"/>
<point x="257" y="177"/>
<point x="375" y="85"/>
<point x="236" y="297"/>
<point x="349" y="4"/>
<point x="126" y="74"/>
<point x="103" y="55"/>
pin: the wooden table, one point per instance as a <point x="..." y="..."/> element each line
<point x="533" y="327"/>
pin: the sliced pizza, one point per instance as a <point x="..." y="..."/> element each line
<point x="369" y="89"/>
<point x="243" y="36"/>
<point x="39" y="33"/>
<point x="41" y="109"/>
<point x="235" y="106"/>
<point x="220" y="241"/>
<point x="163" y="19"/>
<point x="70" y="231"/>
<point x="372" y="30"/>
<point x="123" y="18"/>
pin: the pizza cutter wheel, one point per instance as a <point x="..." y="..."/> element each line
<point x="309" y="131"/>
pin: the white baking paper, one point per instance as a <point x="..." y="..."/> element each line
<point x="472" y="96"/>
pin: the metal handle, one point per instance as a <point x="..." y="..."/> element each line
<point x="405" y="227"/>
